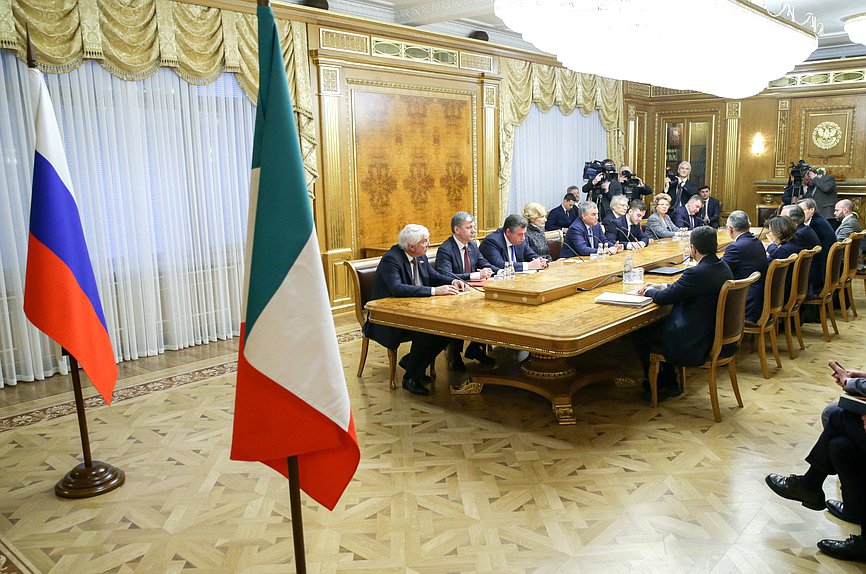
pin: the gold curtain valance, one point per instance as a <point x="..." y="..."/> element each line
<point x="132" y="39"/>
<point x="524" y="83"/>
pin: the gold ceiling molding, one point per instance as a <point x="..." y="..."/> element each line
<point x="524" y="83"/>
<point x="822" y="78"/>
<point x="132" y="39"/>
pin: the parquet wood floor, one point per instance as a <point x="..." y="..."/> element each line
<point x="486" y="483"/>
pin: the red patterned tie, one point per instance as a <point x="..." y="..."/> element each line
<point x="467" y="263"/>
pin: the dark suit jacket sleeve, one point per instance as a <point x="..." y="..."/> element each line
<point x="714" y="209"/>
<point x="677" y="217"/>
<point x="556" y="219"/>
<point x="481" y="262"/>
<point x="685" y="287"/>
<point x="732" y="256"/>
<point x="491" y="252"/>
<point x="528" y="255"/>
<point x="771" y="249"/>
<point x="445" y="260"/>
<point x="639" y="234"/>
<point x="389" y="270"/>
<point x="856" y="386"/>
<point x="436" y="279"/>
<point x="576" y="241"/>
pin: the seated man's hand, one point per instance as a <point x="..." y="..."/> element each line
<point x="856" y="374"/>
<point x="461" y="285"/>
<point x="537" y="263"/>
<point x="447" y="289"/>
<point x="486" y="272"/>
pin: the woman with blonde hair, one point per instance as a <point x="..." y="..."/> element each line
<point x="659" y="224"/>
<point x="536" y="215"/>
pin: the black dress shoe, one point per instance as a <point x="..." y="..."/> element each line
<point x="476" y="353"/>
<point x="789" y="487"/>
<point x="837" y="509"/>
<point x="852" y="549"/>
<point x="456" y="364"/>
<point x="415" y="387"/>
<point x="425" y="378"/>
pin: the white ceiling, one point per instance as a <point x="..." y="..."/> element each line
<point x="459" y="17"/>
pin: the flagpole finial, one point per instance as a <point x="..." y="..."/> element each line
<point x="31" y="61"/>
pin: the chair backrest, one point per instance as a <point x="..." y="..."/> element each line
<point x="835" y="266"/>
<point x="554" y="242"/>
<point x="774" y="287"/>
<point x="363" y="275"/>
<point x="852" y="255"/>
<point x="800" y="275"/>
<point x="731" y="312"/>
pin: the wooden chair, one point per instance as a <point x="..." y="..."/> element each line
<point x="554" y="242"/>
<point x="832" y="279"/>
<point x="730" y="317"/>
<point x="799" y="289"/>
<point x="774" y="302"/>
<point x="849" y="272"/>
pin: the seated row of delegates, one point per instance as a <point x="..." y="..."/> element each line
<point x="826" y="235"/>
<point x="626" y="229"/>
<point x="585" y="234"/>
<point x="659" y="224"/>
<point x="536" y="216"/>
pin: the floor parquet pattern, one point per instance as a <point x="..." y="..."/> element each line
<point x="486" y="483"/>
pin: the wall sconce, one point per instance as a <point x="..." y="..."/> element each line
<point x="758" y="144"/>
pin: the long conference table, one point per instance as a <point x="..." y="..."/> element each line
<point x="551" y="314"/>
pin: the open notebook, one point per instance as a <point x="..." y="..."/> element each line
<point x="624" y="299"/>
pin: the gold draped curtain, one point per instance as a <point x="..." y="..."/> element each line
<point x="132" y="39"/>
<point x="524" y="83"/>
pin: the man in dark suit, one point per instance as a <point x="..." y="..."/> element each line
<point x="711" y="210"/>
<point x="805" y="235"/>
<point x="681" y="188"/>
<point x="627" y="229"/>
<point x="744" y="256"/>
<point x="826" y="236"/>
<point x="687" y="215"/>
<point x="686" y="335"/>
<point x="821" y="188"/>
<point x="841" y="449"/>
<point x="562" y="216"/>
<point x="405" y="272"/>
<point x="460" y="257"/>
<point x="508" y="244"/>
<point x="603" y="187"/>
<point x="585" y="234"/>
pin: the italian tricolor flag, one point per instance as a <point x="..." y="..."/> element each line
<point x="291" y="396"/>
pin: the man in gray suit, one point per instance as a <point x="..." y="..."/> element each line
<point x="821" y="188"/>
<point x="848" y="222"/>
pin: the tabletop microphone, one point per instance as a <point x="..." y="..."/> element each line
<point x="608" y="278"/>
<point x="465" y="281"/>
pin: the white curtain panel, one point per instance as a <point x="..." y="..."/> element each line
<point x="549" y="152"/>
<point x="160" y="169"/>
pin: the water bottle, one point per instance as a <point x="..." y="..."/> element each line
<point x="600" y="251"/>
<point x="687" y="253"/>
<point x="509" y="270"/>
<point x="628" y="266"/>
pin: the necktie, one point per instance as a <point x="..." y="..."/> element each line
<point x="467" y="263"/>
<point x="591" y="238"/>
<point x="513" y="255"/>
<point x="416" y="276"/>
<point x="691" y="222"/>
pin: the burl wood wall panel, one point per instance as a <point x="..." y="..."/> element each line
<point x="413" y="157"/>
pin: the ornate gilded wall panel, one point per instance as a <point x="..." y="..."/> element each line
<point x="415" y="158"/>
<point x="781" y="165"/>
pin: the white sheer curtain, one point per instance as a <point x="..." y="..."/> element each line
<point x="161" y="173"/>
<point x="549" y="152"/>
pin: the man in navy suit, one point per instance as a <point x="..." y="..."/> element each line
<point x="711" y="210"/>
<point x="459" y="257"/>
<point x="627" y="228"/>
<point x="744" y="256"/>
<point x="827" y="237"/>
<point x="585" y="234"/>
<point x="681" y="188"/>
<point x="687" y="215"/>
<point x="616" y="215"/>
<point x="686" y="335"/>
<point x="405" y="272"/>
<point x="562" y="216"/>
<point x="508" y="244"/>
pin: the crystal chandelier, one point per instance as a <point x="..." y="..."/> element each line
<point x="855" y="27"/>
<point x="729" y="48"/>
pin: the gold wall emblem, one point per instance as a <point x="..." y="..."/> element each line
<point x="827" y="135"/>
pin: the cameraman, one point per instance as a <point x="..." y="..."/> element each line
<point x="821" y="188"/>
<point x="795" y="189"/>
<point x="680" y="187"/>
<point x="603" y="186"/>
<point x="633" y="187"/>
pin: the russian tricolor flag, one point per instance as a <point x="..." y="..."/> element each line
<point x="60" y="294"/>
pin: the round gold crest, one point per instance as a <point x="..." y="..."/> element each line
<point x="827" y="135"/>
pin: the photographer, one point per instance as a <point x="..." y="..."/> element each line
<point x="633" y="187"/>
<point x="807" y="182"/>
<point x="680" y="187"/>
<point x="795" y="189"/>
<point x="602" y="183"/>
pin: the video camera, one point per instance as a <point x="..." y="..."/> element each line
<point x="671" y="174"/>
<point x="631" y="180"/>
<point x="594" y="167"/>
<point x="798" y="172"/>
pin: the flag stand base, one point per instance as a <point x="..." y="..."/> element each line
<point x="84" y="482"/>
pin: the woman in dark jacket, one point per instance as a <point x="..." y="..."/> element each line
<point x="536" y="215"/>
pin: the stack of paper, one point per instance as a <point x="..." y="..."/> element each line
<point x="623" y="299"/>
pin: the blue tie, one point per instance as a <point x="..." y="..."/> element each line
<point x="513" y="256"/>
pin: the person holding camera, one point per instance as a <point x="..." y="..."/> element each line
<point x="602" y="184"/>
<point x="680" y="187"/>
<point x="633" y="187"/>
<point x="806" y="182"/>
